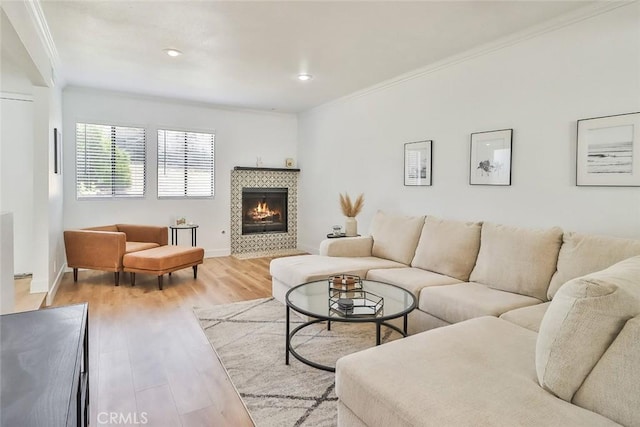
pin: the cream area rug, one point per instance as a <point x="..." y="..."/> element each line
<point x="249" y="338"/>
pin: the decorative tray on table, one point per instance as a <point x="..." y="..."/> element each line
<point x="347" y="298"/>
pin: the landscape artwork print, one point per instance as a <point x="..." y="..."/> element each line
<point x="610" y="150"/>
<point x="491" y="158"/>
<point x="607" y="151"/>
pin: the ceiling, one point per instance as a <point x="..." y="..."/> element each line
<point x="248" y="53"/>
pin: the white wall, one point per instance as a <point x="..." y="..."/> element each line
<point x="16" y="174"/>
<point x="539" y="87"/>
<point x="241" y="136"/>
<point x="48" y="246"/>
<point x="7" y="287"/>
<point x="28" y="181"/>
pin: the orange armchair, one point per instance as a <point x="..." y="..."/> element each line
<point x="102" y="248"/>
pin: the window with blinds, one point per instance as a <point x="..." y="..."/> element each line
<point x="185" y="164"/>
<point x="110" y="161"/>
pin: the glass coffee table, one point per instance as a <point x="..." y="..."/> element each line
<point x="316" y="300"/>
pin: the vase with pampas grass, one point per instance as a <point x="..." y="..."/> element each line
<point x="351" y="210"/>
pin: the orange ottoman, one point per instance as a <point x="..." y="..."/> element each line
<point x="162" y="260"/>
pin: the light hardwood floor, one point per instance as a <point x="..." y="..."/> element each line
<point x="147" y="351"/>
<point x="24" y="299"/>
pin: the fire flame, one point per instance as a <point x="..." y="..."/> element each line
<point x="262" y="212"/>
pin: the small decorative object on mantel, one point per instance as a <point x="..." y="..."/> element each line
<point x="351" y="210"/>
<point x="259" y="162"/>
<point x="288" y="162"/>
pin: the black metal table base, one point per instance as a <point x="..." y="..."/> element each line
<point x="194" y="234"/>
<point x="290" y="334"/>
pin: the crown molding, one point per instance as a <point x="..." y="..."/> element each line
<point x="37" y="15"/>
<point x="565" y="20"/>
<point x="34" y="8"/>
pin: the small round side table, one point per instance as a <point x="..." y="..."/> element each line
<point x="174" y="232"/>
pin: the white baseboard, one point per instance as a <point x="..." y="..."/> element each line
<point x="56" y="284"/>
<point x="212" y="253"/>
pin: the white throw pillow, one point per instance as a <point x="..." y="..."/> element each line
<point x="612" y="388"/>
<point x="583" y="319"/>
<point x="582" y="254"/>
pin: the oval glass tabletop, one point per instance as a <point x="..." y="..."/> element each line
<point x="317" y="300"/>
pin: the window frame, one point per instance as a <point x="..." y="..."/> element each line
<point x="214" y="168"/>
<point x="111" y="124"/>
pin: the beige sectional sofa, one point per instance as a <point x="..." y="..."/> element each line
<point x="532" y="338"/>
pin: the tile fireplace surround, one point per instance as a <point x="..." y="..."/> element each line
<point x="242" y="177"/>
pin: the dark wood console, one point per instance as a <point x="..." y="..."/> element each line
<point x="44" y="360"/>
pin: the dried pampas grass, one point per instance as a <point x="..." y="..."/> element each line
<point x="350" y="209"/>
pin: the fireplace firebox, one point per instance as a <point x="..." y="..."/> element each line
<point x="264" y="210"/>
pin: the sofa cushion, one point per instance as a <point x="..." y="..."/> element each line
<point x="476" y="373"/>
<point x="528" y="317"/>
<point x="448" y="247"/>
<point x="351" y="246"/>
<point x="411" y="279"/>
<point x="582" y="254"/>
<point x="613" y="386"/>
<point x="139" y="246"/>
<point x="455" y="303"/>
<point x="516" y="259"/>
<point x="162" y="258"/>
<point x="111" y="228"/>
<point x="395" y="236"/>
<point x="582" y="321"/>
<point x="295" y="270"/>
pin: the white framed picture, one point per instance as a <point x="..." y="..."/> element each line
<point x="417" y="163"/>
<point x="491" y="157"/>
<point x="608" y="151"/>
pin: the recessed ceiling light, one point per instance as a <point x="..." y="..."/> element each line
<point x="173" y="52"/>
<point x="305" y="77"/>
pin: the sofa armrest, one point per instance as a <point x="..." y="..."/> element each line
<point x="145" y="233"/>
<point x="347" y="247"/>
<point x="99" y="250"/>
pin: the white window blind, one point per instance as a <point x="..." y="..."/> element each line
<point x="185" y="164"/>
<point x="110" y="161"/>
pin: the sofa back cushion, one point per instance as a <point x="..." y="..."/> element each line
<point x="145" y="233"/>
<point x="582" y="254"/>
<point x="395" y="237"/>
<point x="448" y="247"/>
<point x="613" y="386"/>
<point x="518" y="260"/>
<point x="103" y="228"/>
<point x="584" y="318"/>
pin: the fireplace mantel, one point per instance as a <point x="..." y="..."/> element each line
<point x="250" y="168"/>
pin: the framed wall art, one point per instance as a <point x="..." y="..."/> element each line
<point x="491" y="157"/>
<point x="417" y="163"/>
<point x="57" y="151"/>
<point x="608" y="151"/>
